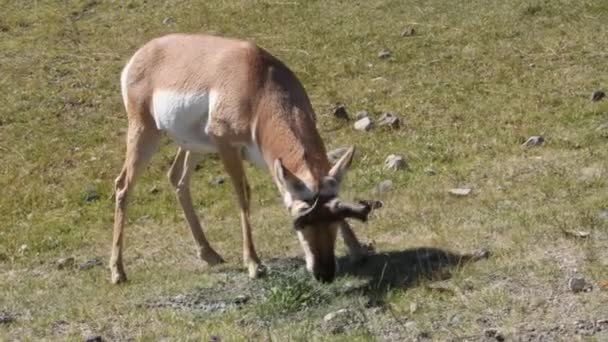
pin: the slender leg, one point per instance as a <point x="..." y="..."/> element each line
<point x="233" y="164"/>
<point x="179" y="177"/>
<point x="141" y="145"/>
<point x="356" y="252"/>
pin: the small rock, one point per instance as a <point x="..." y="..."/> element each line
<point x="333" y="315"/>
<point x="534" y="141"/>
<point x="219" y="180"/>
<point x="154" y="190"/>
<point x="577" y="284"/>
<point x="93" y="338"/>
<point x="395" y="162"/>
<point x="88" y="264"/>
<point x="65" y="263"/>
<point x="597" y="95"/>
<point x="361" y="114"/>
<point x="90" y="195"/>
<point x="384" y="54"/>
<point x="335" y="154"/>
<point x="460" y="192"/>
<point x="215" y="339"/>
<point x="340" y="112"/>
<point x="429" y="172"/>
<point x="480" y="254"/>
<point x="413" y="307"/>
<point x="6" y="318"/>
<point x="408" y="32"/>
<point x="411" y="325"/>
<point x="389" y="120"/>
<point x="603" y="215"/>
<point x="495" y="334"/>
<point x="576" y="233"/>
<point x="168" y="21"/>
<point x="383" y="186"/>
<point x="242" y="299"/>
<point x="364" y="124"/>
<point x="22" y="249"/>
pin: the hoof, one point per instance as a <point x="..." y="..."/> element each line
<point x="256" y="270"/>
<point x="118" y="276"/>
<point x="211" y="257"/>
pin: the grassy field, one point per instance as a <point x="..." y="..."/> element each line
<point x="473" y="82"/>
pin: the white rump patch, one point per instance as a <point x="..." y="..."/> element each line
<point x="185" y="117"/>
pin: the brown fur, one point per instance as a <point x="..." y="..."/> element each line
<point x="261" y="102"/>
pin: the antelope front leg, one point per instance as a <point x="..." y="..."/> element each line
<point x="179" y="177"/>
<point x="234" y="167"/>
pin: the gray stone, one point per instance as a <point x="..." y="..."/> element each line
<point x="335" y="154"/>
<point x="534" y="141"/>
<point x="168" y="21"/>
<point x="6" y="318"/>
<point x="154" y="190"/>
<point x="460" y="192"/>
<point x="364" y="124"/>
<point x="219" y="180"/>
<point x="389" y="120"/>
<point x="334" y="315"/>
<point x="597" y="95"/>
<point x="577" y="284"/>
<point x="340" y="112"/>
<point x="93" y="338"/>
<point x="384" y="54"/>
<point x="90" y="194"/>
<point x="395" y="163"/>
<point x="65" y="263"/>
<point x="361" y="114"/>
<point x="383" y="187"/>
<point x="408" y="32"/>
<point x="88" y="264"/>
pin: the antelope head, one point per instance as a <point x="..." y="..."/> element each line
<point x="317" y="215"/>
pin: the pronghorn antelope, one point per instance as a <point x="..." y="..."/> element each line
<point x="218" y="95"/>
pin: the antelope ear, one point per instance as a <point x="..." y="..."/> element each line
<point x="290" y="185"/>
<point x="338" y="171"/>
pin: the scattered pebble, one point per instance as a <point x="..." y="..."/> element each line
<point x="340" y="112"/>
<point x="6" y="318"/>
<point x="88" y="264"/>
<point x="341" y="321"/>
<point x="383" y="186"/>
<point x="219" y="180"/>
<point x="597" y="95"/>
<point x="90" y="195"/>
<point x="411" y="325"/>
<point x="168" y="21"/>
<point x="534" y="141"/>
<point x="333" y="315"/>
<point x="65" y="263"/>
<point x="389" y="120"/>
<point x="495" y="334"/>
<point x="429" y="172"/>
<point x="408" y="32"/>
<point x="460" y="192"/>
<point x="395" y="162"/>
<point x="93" y="338"/>
<point x="576" y="233"/>
<point x="361" y="114"/>
<point x="154" y="190"/>
<point x="577" y="284"/>
<point x="335" y="154"/>
<point x="384" y="54"/>
<point x="413" y="307"/>
<point x="364" y="124"/>
<point x="22" y="249"/>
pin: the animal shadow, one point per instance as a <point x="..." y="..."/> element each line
<point x="404" y="269"/>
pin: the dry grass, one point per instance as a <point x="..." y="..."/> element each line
<point x="475" y="80"/>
